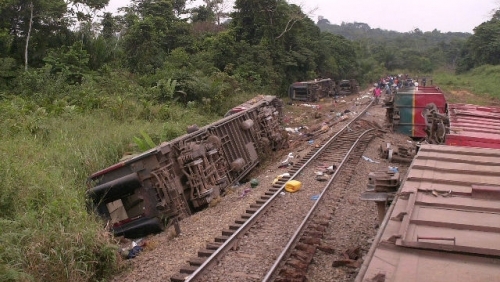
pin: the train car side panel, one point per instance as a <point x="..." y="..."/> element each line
<point x="444" y="225"/>
<point x="474" y="126"/>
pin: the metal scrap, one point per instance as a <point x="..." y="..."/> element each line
<point x="401" y="154"/>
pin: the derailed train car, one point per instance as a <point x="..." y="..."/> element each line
<point x="411" y="110"/>
<point x="312" y="91"/>
<point x="171" y="181"/>
<point x="443" y="224"/>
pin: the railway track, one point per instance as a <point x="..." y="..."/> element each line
<point x="283" y="229"/>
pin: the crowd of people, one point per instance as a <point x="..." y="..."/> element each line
<point x="392" y="83"/>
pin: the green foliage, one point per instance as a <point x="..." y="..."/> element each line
<point x="8" y="71"/>
<point x="481" y="81"/>
<point x="145" y="143"/>
<point x="143" y="47"/>
<point x="165" y="89"/>
<point x="71" y="62"/>
<point x="415" y="50"/>
<point x="47" y="234"/>
<point x="483" y="47"/>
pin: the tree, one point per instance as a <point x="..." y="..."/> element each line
<point x="143" y="47"/>
<point x="202" y="14"/>
<point x="153" y="31"/>
<point x="71" y="62"/>
<point x="39" y="16"/>
<point x="483" y="47"/>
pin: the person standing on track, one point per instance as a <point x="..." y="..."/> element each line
<point x="376" y="93"/>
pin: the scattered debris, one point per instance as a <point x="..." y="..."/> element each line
<point x="134" y="252"/>
<point x="277" y="178"/>
<point x="383" y="181"/>
<point x="400" y="154"/>
<point x="245" y="192"/>
<point x="317" y="107"/>
<point x="135" y="247"/>
<point x="315" y="197"/>
<point x="370" y="160"/>
<point x="352" y="258"/>
<point x="321" y="178"/>
<point x="287" y="161"/>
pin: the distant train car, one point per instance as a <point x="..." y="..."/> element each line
<point x="167" y="183"/>
<point x="409" y="108"/>
<point x="347" y="86"/>
<point x="312" y="91"/>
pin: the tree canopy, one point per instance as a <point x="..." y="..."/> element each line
<point x="483" y="47"/>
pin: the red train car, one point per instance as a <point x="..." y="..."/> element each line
<point x="408" y="110"/>
<point x="474" y="126"/>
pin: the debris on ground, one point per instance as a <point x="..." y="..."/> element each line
<point x="370" y="160"/>
<point x="245" y="192"/>
<point x="132" y="249"/>
<point x="287" y="161"/>
<point x="351" y="258"/>
<point x="293" y="186"/>
<point x="398" y="153"/>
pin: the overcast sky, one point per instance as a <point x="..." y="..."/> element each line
<point x="427" y="15"/>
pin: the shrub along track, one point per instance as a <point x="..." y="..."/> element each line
<point x="262" y="237"/>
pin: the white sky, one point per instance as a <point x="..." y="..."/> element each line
<point x="427" y="15"/>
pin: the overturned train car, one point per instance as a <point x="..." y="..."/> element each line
<point x="411" y="111"/>
<point x="171" y="181"/>
<point x="312" y="91"/>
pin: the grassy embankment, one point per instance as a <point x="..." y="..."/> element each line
<point x="51" y="141"/>
<point x="479" y="86"/>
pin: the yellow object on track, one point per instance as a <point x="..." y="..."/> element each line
<point x="293" y="186"/>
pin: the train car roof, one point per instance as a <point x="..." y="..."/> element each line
<point x="444" y="225"/>
<point x="310" y="81"/>
<point x="472" y="125"/>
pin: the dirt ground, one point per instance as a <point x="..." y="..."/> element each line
<point x="467" y="97"/>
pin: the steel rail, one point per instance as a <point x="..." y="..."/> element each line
<point x="299" y="230"/>
<point x="233" y="239"/>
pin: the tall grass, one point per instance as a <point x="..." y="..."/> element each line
<point x="481" y="84"/>
<point x="46" y="233"/>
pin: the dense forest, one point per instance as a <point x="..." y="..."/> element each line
<point x="415" y="51"/>
<point x="80" y="87"/>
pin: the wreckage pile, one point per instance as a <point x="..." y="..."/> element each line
<point x="398" y="153"/>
